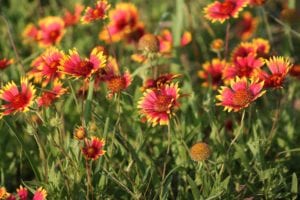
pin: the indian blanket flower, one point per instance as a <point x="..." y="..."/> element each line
<point x="243" y="67"/>
<point x="243" y="50"/>
<point x="40" y="194"/>
<point x="5" y="62"/>
<point x="45" y="67"/>
<point x="71" y="19"/>
<point x="96" y="13"/>
<point x="240" y="94"/>
<point x="48" y="97"/>
<point x="51" y="31"/>
<point x="30" y="33"/>
<point x="262" y="47"/>
<point x="17" y="99"/>
<point x="200" y="151"/>
<point x="124" y="20"/>
<point x="221" y="11"/>
<point x="3" y="193"/>
<point x="159" y="105"/>
<point x="93" y="148"/>
<point x="217" y="45"/>
<point x="166" y="40"/>
<point x="148" y="43"/>
<point x="78" y="67"/>
<point x="22" y="193"/>
<point x="164" y="79"/>
<point x="295" y="71"/>
<point x="212" y="72"/>
<point x="246" y="27"/>
<point x="80" y="133"/>
<point x="279" y="68"/>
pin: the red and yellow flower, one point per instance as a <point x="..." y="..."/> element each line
<point x="279" y="68"/>
<point x="40" y="194"/>
<point x="98" y="12"/>
<point x="17" y="99"/>
<point x="124" y="20"/>
<point x="262" y="47"/>
<point x="4" y="63"/>
<point x="240" y="94"/>
<point x="48" y="97"/>
<point x="30" y="33"/>
<point x="93" y="148"/>
<point x="246" y="27"/>
<point x="243" y="67"/>
<point x="71" y="19"/>
<point x="22" y="193"/>
<point x="221" y="11"/>
<point x="3" y="193"/>
<point x="159" y="105"/>
<point x="78" y="67"/>
<point x="212" y="72"/>
<point x="45" y="67"/>
<point x="51" y="31"/>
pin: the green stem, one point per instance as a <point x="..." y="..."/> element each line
<point x="88" y="102"/>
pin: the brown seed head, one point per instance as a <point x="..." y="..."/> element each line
<point x="200" y="151"/>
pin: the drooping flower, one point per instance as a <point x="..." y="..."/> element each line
<point x="221" y="11"/>
<point x="246" y="27"/>
<point x="159" y="105"/>
<point x="240" y="94"/>
<point x="78" y="67"/>
<point x="93" y="148"/>
<point x="45" y="67"/>
<point x="17" y="99"/>
<point x="98" y="12"/>
<point x="161" y="81"/>
<point x="243" y="67"/>
<point x="48" y="97"/>
<point x="71" y="19"/>
<point x="279" y="68"/>
<point x="51" y="31"/>
<point x="200" y="151"/>
<point x="212" y="72"/>
<point x="124" y="19"/>
<point x="22" y="193"/>
<point x="4" y="63"/>
<point x="40" y="194"/>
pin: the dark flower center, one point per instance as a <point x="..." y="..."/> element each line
<point x="242" y="97"/>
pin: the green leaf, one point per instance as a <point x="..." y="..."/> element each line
<point x="294" y="188"/>
<point x="195" y="190"/>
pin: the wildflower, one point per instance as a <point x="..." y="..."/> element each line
<point x="3" y="193"/>
<point x="240" y="94"/>
<point x="45" y="67"/>
<point x="51" y="31"/>
<point x="166" y="40"/>
<point x="243" y="50"/>
<point x="262" y="47"/>
<point x="217" y="45"/>
<point x="158" y="105"/>
<point x="93" y="148"/>
<point x="96" y="13"/>
<point x="80" y="133"/>
<point x="221" y="11"/>
<point x="124" y="19"/>
<point x="17" y="100"/>
<point x="279" y="68"/>
<point x="117" y="83"/>
<point x="48" y="97"/>
<point x="4" y="63"/>
<point x="77" y="67"/>
<point x="40" y="194"/>
<point x="246" y="26"/>
<point x="22" y="193"/>
<point x="10" y="197"/>
<point x="212" y="72"/>
<point x="243" y="67"/>
<point x="30" y="33"/>
<point x="200" y="151"/>
<point x="149" y="43"/>
<point x="135" y="35"/>
<point x="70" y="19"/>
<point x="295" y="71"/>
<point x="161" y="81"/>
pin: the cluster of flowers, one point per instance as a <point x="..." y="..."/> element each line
<point x="23" y="194"/>
<point x="245" y="70"/>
